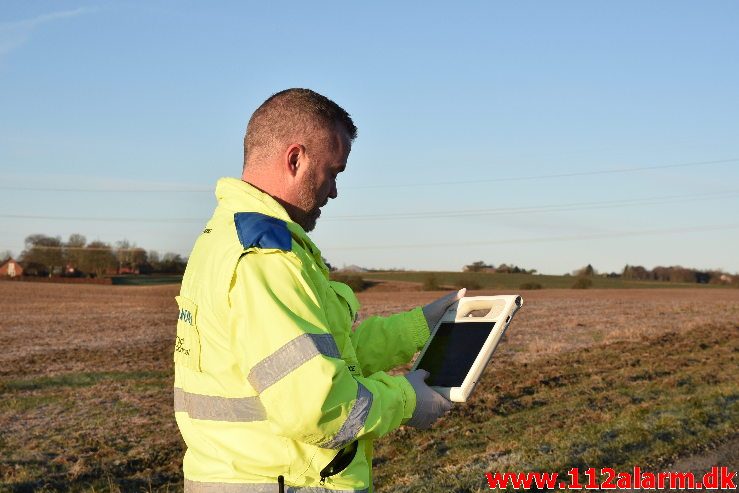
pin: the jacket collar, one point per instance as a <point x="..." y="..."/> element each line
<point x="239" y="196"/>
<point x="236" y="195"/>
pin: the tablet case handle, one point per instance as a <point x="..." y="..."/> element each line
<point x="476" y="306"/>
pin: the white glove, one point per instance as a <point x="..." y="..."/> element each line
<point x="436" y="309"/>
<point x="430" y="405"/>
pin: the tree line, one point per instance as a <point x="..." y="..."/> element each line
<point x="51" y="256"/>
<point x="481" y="266"/>
<point x="674" y="273"/>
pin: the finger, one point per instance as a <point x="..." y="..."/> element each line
<point x="448" y="405"/>
<point x="440" y="401"/>
<point x="444" y="404"/>
<point x="442" y="398"/>
<point x="457" y="295"/>
<point x="450" y="298"/>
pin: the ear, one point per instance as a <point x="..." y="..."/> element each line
<point x="293" y="157"/>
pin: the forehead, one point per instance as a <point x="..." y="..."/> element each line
<point x="336" y="147"/>
<point x="345" y="147"/>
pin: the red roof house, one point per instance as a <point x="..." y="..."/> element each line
<point x="11" y="268"/>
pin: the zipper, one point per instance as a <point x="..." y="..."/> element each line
<point x="340" y="462"/>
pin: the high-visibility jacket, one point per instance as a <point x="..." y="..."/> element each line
<point x="270" y="380"/>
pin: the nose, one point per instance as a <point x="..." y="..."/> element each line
<point x="333" y="193"/>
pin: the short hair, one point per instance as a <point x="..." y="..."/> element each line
<point x="291" y="112"/>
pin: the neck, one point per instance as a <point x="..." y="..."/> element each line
<point x="272" y="189"/>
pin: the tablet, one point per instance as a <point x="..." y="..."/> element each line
<point x="463" y="342"/>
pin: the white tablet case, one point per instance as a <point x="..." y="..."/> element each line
<point x="500" y="310"/>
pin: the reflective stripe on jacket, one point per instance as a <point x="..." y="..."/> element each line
<point x="270" y="379"/>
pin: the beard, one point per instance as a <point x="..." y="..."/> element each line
<point x="308" y="206"/>
<point x="308" y="219"/>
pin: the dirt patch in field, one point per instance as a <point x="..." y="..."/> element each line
<point x="723" y="454"/>
<point x="56" y="328"/>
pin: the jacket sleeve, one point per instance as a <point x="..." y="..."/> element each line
<point x="382" y="343"/>
<point x="290" y="358"/>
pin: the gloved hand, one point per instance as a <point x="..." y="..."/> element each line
<point x="435" y="310"/>
<point x="430" y="405"/>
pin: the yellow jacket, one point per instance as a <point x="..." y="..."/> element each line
<point x="270" y="379"/>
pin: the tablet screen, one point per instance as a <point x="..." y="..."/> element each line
<point x="452" y="352"/>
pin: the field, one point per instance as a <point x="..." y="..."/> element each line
<point x="486" y="280"/>
<point x="606" y="377"/>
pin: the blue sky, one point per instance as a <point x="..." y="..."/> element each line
<point x="545" y="134"/>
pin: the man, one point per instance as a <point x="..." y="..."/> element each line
<point x="272" y="387"/>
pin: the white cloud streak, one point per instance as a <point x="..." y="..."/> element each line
<point x="14" y="34"/>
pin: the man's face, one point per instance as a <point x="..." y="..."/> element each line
<point x="324" y="160"/>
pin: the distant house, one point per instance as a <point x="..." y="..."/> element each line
<point x="11" y="268"/>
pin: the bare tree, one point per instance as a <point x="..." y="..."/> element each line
<point x="172" y="263"/>
<point x="139" y="257"/>
<point x="74" y="251"/>
<point x="45" y="251"/>
<point x="129" y="256"/>
<point x="636" y="272"/>
<point x="99" y="258"/>
<point x="123" y="254"/>
<point x="154" y="257"/>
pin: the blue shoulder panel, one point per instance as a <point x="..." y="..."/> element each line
<point x="262" y="231"/>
